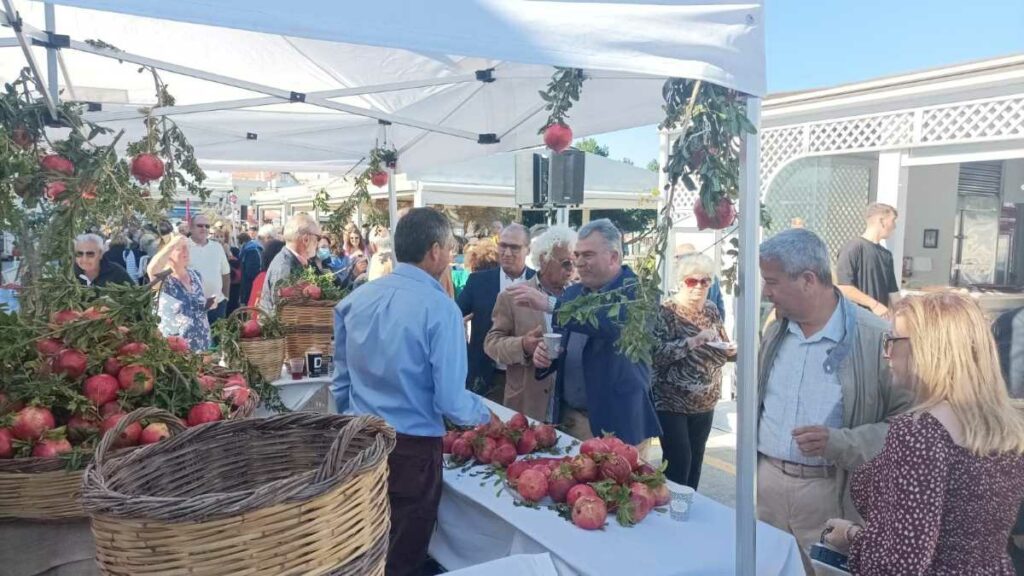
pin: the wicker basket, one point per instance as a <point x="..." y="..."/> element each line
<point x="267" y="354"/>
<point x="307" y="323"/>
<point x="298" y="493"/>
<point x="43" y="489"/>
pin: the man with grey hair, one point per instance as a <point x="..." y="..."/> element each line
<point x="598" y="388"/>
<point x="824" y="389"/>
<point x="91" y="268"/>
<point x="301" y="236"/>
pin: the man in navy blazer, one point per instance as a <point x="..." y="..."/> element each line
<point x="478" y="297"/>
<point x="598" y="389"/>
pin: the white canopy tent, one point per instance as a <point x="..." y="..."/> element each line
<point x="313" y="86"/>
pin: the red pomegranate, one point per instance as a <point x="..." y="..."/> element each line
<point x="379" y="178"/>
<point x="6" y="444"/>
<point x="629" y="453"/>
<point x="527" y="442"/>
<point x="147" y="167"/>
<point x="449" y="438"/>
<point x="100" y="389"/>
<point x="237" y="395"/>
<point x="82" y="427"/>
<point x="516" y="469"/>
<point x="577" y="492"/>
<point x="289" y="292"/>
<point x="55" y="190"/>
<point x="112" y="366"/>
<point x="557" y="137"/>
<point x="51" y="448"/>
<point x="128" y="437"/>
<point x="532" y="485"/>
<point x="584" y="469"/>
<point x="518" y="422"/>
<point x="645" y="492"/>
<point x="136" y="379"/>
<point x="208" y="383"/>
<point x="251" y="329"/>
<point x="236" y="379"/>
<point x="546" y="435"/>
<point x="49" y="346"/>
<point x="461" y="450"/>
<point x="724" y="215"/>
<point x="177" y="344"/>
<point x="594" y="446"/>
<point x="57" y="163"/>
<point x="132" y="349"/>
<point x="62" y="317"/>
<point x="483" y="450"/>
<point x="70" y="363"/>
<point x="312" y="292"/>
<point x="205" y="412"/>
<point x="504" y="454"/>
<point x="615" y="468"/>
<point x="109" y="409"/>
<point x="560" y="482"/>
<point x="589" y="513"/>
<point x="31" y="422"/>
<point x="662" y="496"/>
<point x="154" y="433"/>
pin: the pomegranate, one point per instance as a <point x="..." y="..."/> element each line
<point x="288" y="292"/>
<point x="641" y="500"/>
<point x="470" y="436"/>
<point x="449" y="439"/>
<point x="518" y="422"/>
<point x="251" y="329"/>
<point x="629" y="453"/>
<point x="584" y="469"/>
<point x="543" y="469"/>
<point x="589" y="513"/>
<point x="532" y="485"/>
<point x="208" y="383"/>
<point x="560" y="482"/>
<point x="136" y="379"/>
<point x="112" y="366"/>
<point x="54" y="190"/>
<point x="70" y="363"/>
<point x="81" y="427"/>
<point x="615" y="468"/>
<point x="645" y="469"/>
<point x="88" y="191"/>
<point x="62" y="317"/>
<point x="100" y="389"/>
<point x="154" y="433"/>
<point x="662" y="496"/>
<point x="22" y="138"/>
<point x="31" y="422"/>
<point x="644" y="491"/>
<point x="236" y="379"/>
<point x="237" y="395"/>
<point x="51" y="448"/>
<point x="612" y="441"/>
<point x="483" y="450"/>
<point x="177" y="344"/>
<point x="147" y="167"/>
<point x="49" y="346"/>
<point x="57" y="163"/>
<point x="516" y="469"/>
<point x="724" y="214"/>
<point x="546" y="435"/>
<point x="128" y="437"/>
<point x="109" y="409"/>
<point x="557" y="137"/>
<point x="6" y="444"/>
<point x="594" y="446"/>
<point x="577" y="492"/>
<point x="205" y="412"/>
<point x="504" y="455"/>
<point x="312" y="292"/>
<point x="461" y="450"/>
<point x="527" y="442"/>
<point x="379" y="178"/>
<point x="132" y="349"/>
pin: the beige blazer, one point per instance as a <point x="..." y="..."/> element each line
<point x="504" y="343"/>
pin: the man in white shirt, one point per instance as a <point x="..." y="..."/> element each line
<point x="208" y="258"/>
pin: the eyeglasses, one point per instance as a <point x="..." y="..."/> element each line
<point x="887" y="342"/>
<point x="694" y="282"/>
<point x="510" y="248"/>
<point x="201" y="225"/>
<point x="567" y="265"/>
<point x="86" y="254"/>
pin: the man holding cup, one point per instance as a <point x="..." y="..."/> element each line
<point x="598" y="388"/>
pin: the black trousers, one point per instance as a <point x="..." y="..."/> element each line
<point x="682" y="444"/>
<point x="414" y="491"/>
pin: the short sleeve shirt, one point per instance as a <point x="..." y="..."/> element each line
<point x="212" y="264"/>
<point x="868" y="267"/>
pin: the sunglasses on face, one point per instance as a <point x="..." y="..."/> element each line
<point x="201" y="225"/>
<point x="694" y="282"/>
<point x="887" y="343"/>
<point x="85" y="254"/>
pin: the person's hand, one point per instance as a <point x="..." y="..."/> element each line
<point x="540" y="356"/>
<point x="468" y="317"/>
<point x="702" y="338"/>
<point x="531" y="339"/>
<point x="811" y="440"/>
<point x="731" y="352"/>
<point x="880" y="310"/>
<point x="529" y="297"/>
<point x="211" y="303"/>
<point x="841" y="534"/>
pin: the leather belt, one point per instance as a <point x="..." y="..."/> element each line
<point x="797" y="470"/>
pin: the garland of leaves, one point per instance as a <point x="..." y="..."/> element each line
<point x="339" y="216"/>
<point x="562" y="92"/>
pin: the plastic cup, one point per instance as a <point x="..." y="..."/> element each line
<point x="295" y="366"/>
<point x="553" y="342"/>
<point x="682" y="500"/>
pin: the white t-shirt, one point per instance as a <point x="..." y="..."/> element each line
<point x="212" y="264"/>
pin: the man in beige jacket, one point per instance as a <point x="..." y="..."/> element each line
<point x="824" y="391"/>
<point x="516" y="330"/>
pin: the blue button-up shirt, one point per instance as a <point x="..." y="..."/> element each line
<point x="400" y="353"/>
<point x="801" y="390"/>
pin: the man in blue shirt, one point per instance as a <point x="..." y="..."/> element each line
<point x="400" y="353"/>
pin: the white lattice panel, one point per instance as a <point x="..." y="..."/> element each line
<point x="777" y="146"/>
<point x="990" y="119"/>
<point x="682" y="203"/>
<point x="860" y="133"/>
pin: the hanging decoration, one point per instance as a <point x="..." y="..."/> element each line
<point x="380" y="158"/>
<point x="562" y="92"/>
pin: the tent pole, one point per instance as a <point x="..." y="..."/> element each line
<point x="392" y="202"/>
<point x="22" y="31"/>
<point x="747" y="329"/>
<point x="51" y="52"/>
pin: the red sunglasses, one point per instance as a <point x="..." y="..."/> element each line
<point x="693" y="282"/>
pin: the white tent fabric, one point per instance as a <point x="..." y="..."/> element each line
<point x="627" y="48"/>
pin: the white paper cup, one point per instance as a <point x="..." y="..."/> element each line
<point x="553" y="342"/>
<point x="682" y="500"/>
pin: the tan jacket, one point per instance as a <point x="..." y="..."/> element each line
<point x="504" y="343"/>
<point x="869" y="398"/>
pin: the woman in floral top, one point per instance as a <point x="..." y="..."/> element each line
<point x="181" y="305"/>
<point x="687" y="379"/>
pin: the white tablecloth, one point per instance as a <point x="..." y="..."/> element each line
<point x="518" y="565"/>
<point x="475" y="526"/>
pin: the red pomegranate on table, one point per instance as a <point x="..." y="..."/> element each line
<point x="379" y="178"/>
<point x="724" y="214"/>
<point x="557" y="137"/>
<point x="147" y="167"/>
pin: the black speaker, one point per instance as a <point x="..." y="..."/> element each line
<point x="531" y="179"/>
<point x="565" y="180"/>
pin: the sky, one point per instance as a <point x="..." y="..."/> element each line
<point x="820" y="43"/>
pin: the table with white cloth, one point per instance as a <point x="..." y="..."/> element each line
<point x="476" y="526"/>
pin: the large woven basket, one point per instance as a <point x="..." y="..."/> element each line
<point x="307" y="323"/>
<point x="298" y="493"/>
<point x="267" y="354"/>
<point x="43" y="489"/>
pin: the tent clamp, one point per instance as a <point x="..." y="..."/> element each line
<point x="490" y="138"/>
<point x="384" y="122"/>
<point x="53" y="41"/>
<point x="251" y="136"/>
<point x="297" y="97"/>
<point x="15" y="22"/>
<point x="485" y="76"/>
<point x="94" y="106"/>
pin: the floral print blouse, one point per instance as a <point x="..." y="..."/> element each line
<point x="182" y="311"/>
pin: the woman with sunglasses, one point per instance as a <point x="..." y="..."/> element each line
<point x="91" y="268"/>
<point x="942" y="495"/>
<point x="687" y="376"/>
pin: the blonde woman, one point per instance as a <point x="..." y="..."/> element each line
<point x="943" y="494"/>
<point x="182" y="304"/>
<point x="383" y="259"/>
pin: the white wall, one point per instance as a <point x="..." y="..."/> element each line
<point x="931" y="203"/>
<point x="1013" y="181"/>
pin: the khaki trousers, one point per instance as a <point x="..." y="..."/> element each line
<point x="799" y="506"/>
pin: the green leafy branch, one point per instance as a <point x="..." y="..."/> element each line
<point x="561" y="93"/>
<point x="339" y="216"/>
